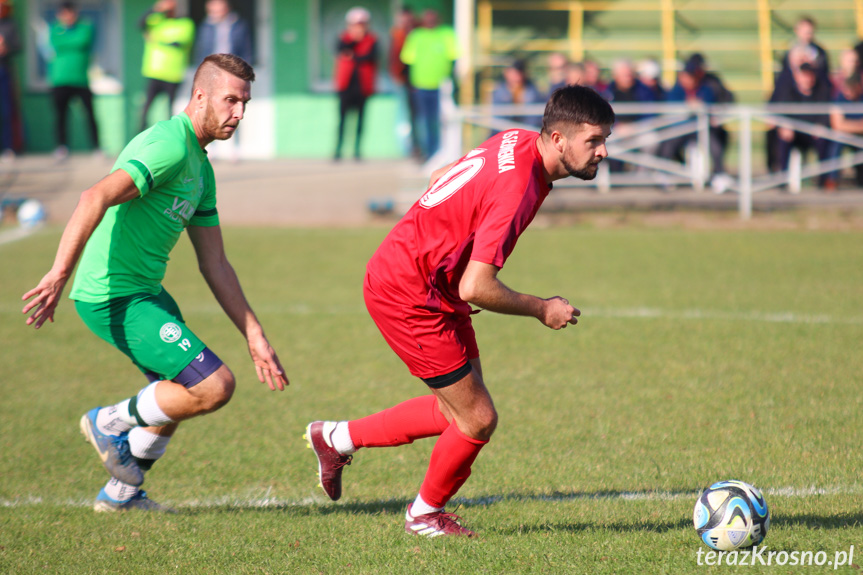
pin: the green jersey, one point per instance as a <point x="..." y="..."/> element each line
<point x="72" y="48"/>
<point x="129" y="250"/>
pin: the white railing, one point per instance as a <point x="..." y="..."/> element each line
<point x="665" y="121"/>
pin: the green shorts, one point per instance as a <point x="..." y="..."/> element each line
<point x="147" y="328"/>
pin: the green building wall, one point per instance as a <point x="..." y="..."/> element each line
<point x="305" y="120"/>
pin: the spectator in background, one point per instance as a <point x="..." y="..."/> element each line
<point x="517" y="88"/>
<point x="849" y="65"/>
<point x="649" y="74"/>
<point x="592" y="77"/>
<point x="430" y="51"/>
<point x="574" y="74"/>
<point x="10" y="121"/>
<point x="355" y="71"/>
<point x="859" y="49"/>
<point x="723" y="96"/>
<point x="625" y="88"/>
<point x="223" y="32"/>
<point x="168" y="42"/>
<point x="399" y="71"/>
<point x="804" y="42"/>
<point x="558" y="65"/>
<point x="807" y="87"/>
<point x="690" y="88"/>
<point x="71" y="44"/>
<point x="711" y="80"/>
<point x="852" y="123"/>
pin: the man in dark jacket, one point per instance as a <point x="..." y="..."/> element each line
<point x="805" y="88"/>
<point x="10" y="44"/>
<point x="223" y="32"/>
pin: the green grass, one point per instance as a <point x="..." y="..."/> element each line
<point x="700" y="356"/>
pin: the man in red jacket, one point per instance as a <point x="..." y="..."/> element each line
<point x="440" y="259"/>
<point x="356" y="67"/>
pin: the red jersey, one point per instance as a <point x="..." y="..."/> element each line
<point x="476" y="211"/>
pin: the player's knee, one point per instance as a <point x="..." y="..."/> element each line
<point x="224" y="390"/>
<point x="484" y="422"/>
<point x="219" y="390"/>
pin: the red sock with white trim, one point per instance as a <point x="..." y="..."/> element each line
<point x="451" y="460"/>
<point x="403" y="423"/>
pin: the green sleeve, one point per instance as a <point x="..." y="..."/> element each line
<point x="156" y="161"/>
<point x="206" y="215"/>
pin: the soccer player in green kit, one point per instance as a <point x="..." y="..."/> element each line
<point x="123" y="230"/>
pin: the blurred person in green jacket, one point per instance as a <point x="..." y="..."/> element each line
<point x="71" y="40"/>
<point x="168" y="42"/>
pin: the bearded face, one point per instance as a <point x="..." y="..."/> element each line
<point x="583" y="150"/>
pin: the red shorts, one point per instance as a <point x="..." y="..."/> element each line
<point x="430" y="343"/>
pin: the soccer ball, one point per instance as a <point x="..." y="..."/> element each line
<point x="31" y="213"/>
<point x="731" y="515"/>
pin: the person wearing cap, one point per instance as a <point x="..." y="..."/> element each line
<point x="804" y="42"/>
<point x="355" y="72"/>
<point x="807" y="87"/>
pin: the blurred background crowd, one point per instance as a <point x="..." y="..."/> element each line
<point x="412" y="58"/>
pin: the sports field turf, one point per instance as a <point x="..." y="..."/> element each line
<point x="700" y="356"/>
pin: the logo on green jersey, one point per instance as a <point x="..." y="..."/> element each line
<point x="170" y="332"/>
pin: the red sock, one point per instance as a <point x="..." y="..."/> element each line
<point x="449" y="468"/>
<point x="403" y="423"/>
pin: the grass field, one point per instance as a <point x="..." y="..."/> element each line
<point x="700" y="356"/>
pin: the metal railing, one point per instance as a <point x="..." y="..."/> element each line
<point x="636" y="143"/>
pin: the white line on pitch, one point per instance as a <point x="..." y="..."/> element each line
<point x="15" y="234"/>
<point x="270" y="502"/>
<point x="586" y="314"/>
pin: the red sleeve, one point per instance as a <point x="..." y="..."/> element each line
<point x="502" y="220"/>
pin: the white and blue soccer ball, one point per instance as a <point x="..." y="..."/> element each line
<point x="731" y="515"/>
<point x="31" y="213"/>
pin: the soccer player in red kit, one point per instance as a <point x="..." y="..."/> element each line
<point x="440" y="259"/>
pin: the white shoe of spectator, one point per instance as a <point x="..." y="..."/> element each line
<point x="720" y="183"/>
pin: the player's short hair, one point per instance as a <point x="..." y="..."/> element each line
<point x="574" y="105"/>
<point x="229" y="63"/>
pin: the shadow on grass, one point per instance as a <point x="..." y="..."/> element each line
<point x="812" y="521"/>
<point x="319" y="507"/>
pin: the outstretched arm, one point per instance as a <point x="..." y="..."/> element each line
<point x="112" y="190"/>
<point x="479" y="286"/>
<point x="225" y="285"/>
